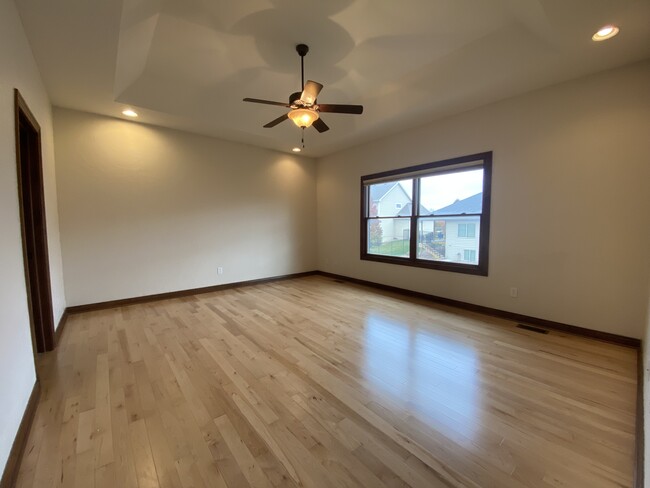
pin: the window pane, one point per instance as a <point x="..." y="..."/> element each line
<point x="469" y="255"/>
<point x="450" y="239"/>
<point x="390" y="199"/>
<point x="389" y="237"/>
<point x="467" y="230"/>
<point x="452" y="193"/>
<point x="431" y="239"/>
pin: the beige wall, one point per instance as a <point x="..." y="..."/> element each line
<point x="147" y="210"/>
<point x="570" y="202"/>
<point x="18" y="70"/>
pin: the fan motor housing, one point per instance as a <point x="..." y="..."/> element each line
<point x="293" y="97"/>
<point x="302" y="49"/>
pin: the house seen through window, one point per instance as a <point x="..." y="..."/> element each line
<point x="434" y="215"/>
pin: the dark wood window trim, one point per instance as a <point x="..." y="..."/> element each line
<point x="417" y="172"/>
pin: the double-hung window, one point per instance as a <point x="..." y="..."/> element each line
<point x="435" y="215"/>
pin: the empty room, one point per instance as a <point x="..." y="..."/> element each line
<point x="342" y="243"/>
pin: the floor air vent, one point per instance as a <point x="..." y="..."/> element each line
<point x="533" y="329"/>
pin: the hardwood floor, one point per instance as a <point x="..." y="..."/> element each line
<point x="311" y="382"/>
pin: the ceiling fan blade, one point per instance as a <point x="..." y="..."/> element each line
<point x="275" y="122"/>
<point x="310" y="92"/>
<point x="266" y="102"/>
<point x="320" y="125"/>
<point x="341" y="109"/>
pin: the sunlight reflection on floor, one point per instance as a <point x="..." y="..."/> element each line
<point x="433" y="378"/>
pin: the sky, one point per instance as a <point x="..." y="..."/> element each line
<point x="442" y="190"/>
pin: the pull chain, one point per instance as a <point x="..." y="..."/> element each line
<point x="302" y="139"/>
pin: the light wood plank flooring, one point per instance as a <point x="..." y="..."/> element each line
<point x="311" y="382"/>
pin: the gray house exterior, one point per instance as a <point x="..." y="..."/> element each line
<point x="449" y="235"/>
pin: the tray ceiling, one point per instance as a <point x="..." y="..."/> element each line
<point x="187" y="64"/>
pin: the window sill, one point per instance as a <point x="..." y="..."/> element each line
<point x="473" y="269"/>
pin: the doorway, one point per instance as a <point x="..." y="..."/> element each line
<point x="31" y="199"/>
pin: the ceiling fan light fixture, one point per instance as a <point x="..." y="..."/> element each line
<point x="303" y="117"/>
<point x="304" y="111"/>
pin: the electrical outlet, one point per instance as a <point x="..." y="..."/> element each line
<point x="220" y="270"/>
<point x="514" y="292"/>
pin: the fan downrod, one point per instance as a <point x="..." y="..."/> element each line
<point x="302" y="50"/>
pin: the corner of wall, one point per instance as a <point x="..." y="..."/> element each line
<point x="18" y="69"/>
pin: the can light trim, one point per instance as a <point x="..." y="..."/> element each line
<point x="605" y="32"/>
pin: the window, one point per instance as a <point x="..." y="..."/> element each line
<point x="444" y="223"/>
<point x="467" y="230"/>
<point x="389" y="226"/>
<point x="469" y="255"/>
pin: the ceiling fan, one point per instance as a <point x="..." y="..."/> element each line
<point x="305" y="111"/>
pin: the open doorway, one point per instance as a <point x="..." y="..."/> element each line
<point x="32" y="215"/>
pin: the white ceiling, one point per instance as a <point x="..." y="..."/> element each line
<point x="187" y="64"/>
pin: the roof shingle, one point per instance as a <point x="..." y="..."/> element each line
<point x="469" y="205"/>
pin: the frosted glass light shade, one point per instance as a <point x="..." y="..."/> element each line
<point x="303" y="117"/>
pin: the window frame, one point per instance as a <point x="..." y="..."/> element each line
<point x="461" y="163"/>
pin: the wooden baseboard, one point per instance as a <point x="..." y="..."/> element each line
<point x="60" y="327"/>
<point x="181" y="293"/>
<point x="639" y="473"/>
<point x="549" y="324"/>
<point x="517" y="317"/>
<point x="10" y="474"/>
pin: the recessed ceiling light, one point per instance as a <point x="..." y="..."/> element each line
<point x="296" y="149"/>
<point x="606" y="32"/>
<point x="130" y="113"/>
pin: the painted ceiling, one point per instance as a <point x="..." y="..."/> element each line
<point x="187" y="64"/>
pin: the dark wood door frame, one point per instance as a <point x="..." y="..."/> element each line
<point x="31" y="198"/>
